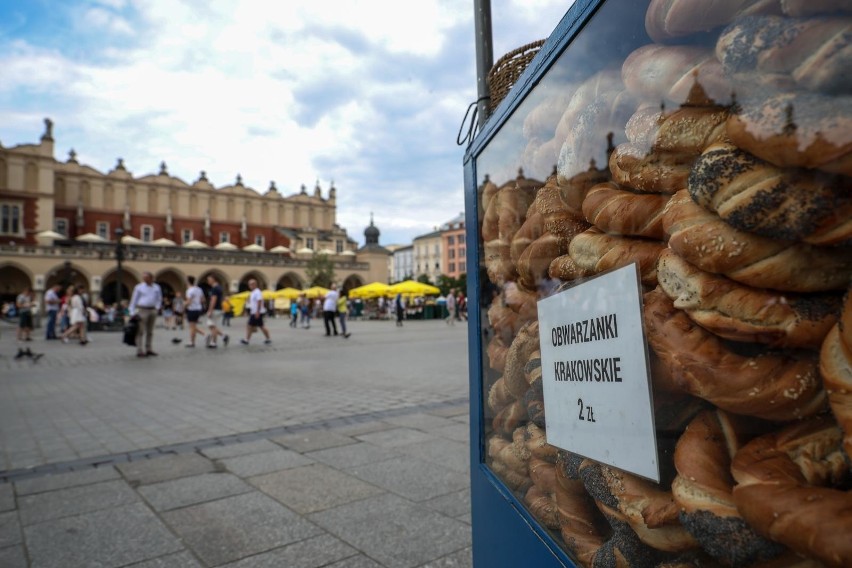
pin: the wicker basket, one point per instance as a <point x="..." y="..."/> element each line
<point x="508" y="68"/>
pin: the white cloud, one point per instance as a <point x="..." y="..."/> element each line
<point x="366" y="93"/>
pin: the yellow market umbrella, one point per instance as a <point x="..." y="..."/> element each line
<point x="414" y="287"/>
<point x="268" y="294"/>
<point x="288" y="293"/>
<point x="315" y="292"/>
<point x="367" y="291"/>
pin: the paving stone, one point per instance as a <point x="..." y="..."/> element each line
<point x="352" y="455"/>
<point x="65" y="480"/>
<point x="420" y="421"/>
<point x="313" y="440"/>
<point x="13" y="557"/>
<point x="460" y="559"/>
<point x="186" y="491"/>
<point x="156" y="470"/>
<point x="395" y="437"/>
<point x="451" y="411"/>
<point x="456" y="431"/>
<point x="412" y="478"/>
<point x="74" y="501"/>
<point x="359" y="561"/>
<point x="112" y="537"/>
<point x="10" y="529"/>
<point x="313" y="488"/>
<point x="452" y="505"/>
<point x="7" y="497"/>
<point x="359" y="428"/>
<point x="180" y="560"/>
<point x="448" y="453"/>
<point x="391" y="530"/>
<point x="310" y="553"/>
<point x="466" y="518"/>
<point x="266" y="462"/>
<point x="241" y="449"/>
<point x="235" y="527"/>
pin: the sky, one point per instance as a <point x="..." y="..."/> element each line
<point x="368" y="95"/>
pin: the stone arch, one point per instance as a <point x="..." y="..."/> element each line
<point x="290" y="280"/>
<point x="129" y="279"/>
<point x="65" y="274"/>
<point x="220" y="277"/>
<point x="171" y="281"/>
<point x="14" y="278"/>
<point x="352" y="281"/>
<point x="31" y="177"/>
<point x="261" y="280"/>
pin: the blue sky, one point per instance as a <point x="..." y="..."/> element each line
<point x="367" y="94"/>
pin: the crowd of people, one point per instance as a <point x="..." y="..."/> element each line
<point x="70" y="315"/>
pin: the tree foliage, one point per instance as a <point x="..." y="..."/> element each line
<point x="320" y="270"/>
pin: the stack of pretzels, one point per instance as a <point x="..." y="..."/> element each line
<point x="719" y="159"/>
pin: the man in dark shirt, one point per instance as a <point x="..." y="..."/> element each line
<point x="214" y="312"/>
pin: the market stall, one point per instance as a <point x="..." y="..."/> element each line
<point x="659" y="213"/>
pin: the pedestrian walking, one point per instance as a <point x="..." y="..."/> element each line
<point x="194" y="309"/>
<point x="227" y="311"/>
<point x="451" y="307"/>
<point x="24" y="306"/>
<point x="329" y="310"/>
<point x="305" y="309"/>
<point x="178" y="307"/>
<point x="256" y="311"/>
<point x="146" y="301"/>
<point x="294" y="313"/>
<point x="168" y="314"/>
<point x="77" y="316"/>
<point x="52" y="304"/>
<point x="399" y="305"/>
<point x="214" y="312"/>
<point x="343" y="313"/>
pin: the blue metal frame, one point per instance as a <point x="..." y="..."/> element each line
<point x="504" y="533"/>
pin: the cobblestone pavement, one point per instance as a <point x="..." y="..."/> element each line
<point x="308" y="452"/>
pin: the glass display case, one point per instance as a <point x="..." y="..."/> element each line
<point x="660" y="224"/>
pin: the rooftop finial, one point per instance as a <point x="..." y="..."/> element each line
<point x="239" y="179"/>
<point x="163" y="170"/>
<point x="48" y="130"/>
<point x="72" y="156"/>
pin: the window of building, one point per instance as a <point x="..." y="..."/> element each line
<point x="437" y="266"/>
<point x="260" y="240"/>
<point x="451" y="240"/>
<point x="146" y="233"/>
<point x="61" y="226"/>
<point x="309" y="243"/>
<point x="103" y="229"/>
<point x="452" y="253"/>
<point x="10" y="219"/>
<point x="339" y="246"/>
<point x="461" y="253"/>
<point x="452" y="267"/>
<point x="224" y="237"/>
<point x="186" y="235"/>
<point x="461" y="239"/>
<point x="437" y="249"/>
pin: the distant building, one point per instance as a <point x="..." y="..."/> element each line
<point x="60" y="221"/>
<point x="453" y="247"/>
<point x="428" y="256"/>
<point x="375" y="254"/>
<point x="402" y="264"/>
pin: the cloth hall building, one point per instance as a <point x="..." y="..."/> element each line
<point x="60" y="222"/>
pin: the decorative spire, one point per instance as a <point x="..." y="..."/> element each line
<point x="48" y="131"/>
<point x="304" y="190"/>
<point x="239" y="180"/>
<point x="520" y="173"/>
<point x="272" y="186"/>
<point x="332" y="191"/>
<point x="317" y="191"/>
<point x="120" y="165"/>
<point x="163" y="170"/>
<point x="202" y="176"/>
<point x="72" y="156"/>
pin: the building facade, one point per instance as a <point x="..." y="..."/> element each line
<point x="403" y="263"/>
<point x="453" y="247"/>
<point x="63" y="222"/>
<point x="428" y="256"/>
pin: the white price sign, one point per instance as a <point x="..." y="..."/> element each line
<point x="594" y="368"/>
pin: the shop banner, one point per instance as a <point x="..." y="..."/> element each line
<point x="594" y="368"/>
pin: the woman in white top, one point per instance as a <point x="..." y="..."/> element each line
<point x="77" y="316"/>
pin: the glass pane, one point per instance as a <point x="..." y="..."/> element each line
<point x="710" y="148"/>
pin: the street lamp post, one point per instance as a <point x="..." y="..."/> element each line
<point x="119" y="256"/>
